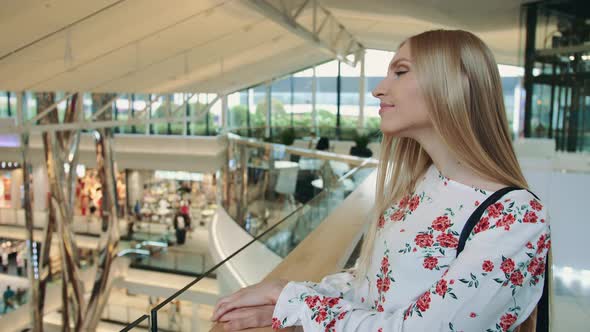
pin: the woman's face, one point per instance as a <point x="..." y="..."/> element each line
<point x="403" y="110"/>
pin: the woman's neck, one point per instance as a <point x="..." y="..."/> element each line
<point x="450" y="166"/>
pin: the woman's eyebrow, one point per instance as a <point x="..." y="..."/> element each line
<point x="394" y="63"/>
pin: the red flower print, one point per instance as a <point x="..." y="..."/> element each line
<point x="487" y="266"/>
<point x="495" y="210"/>
<point x="482" y="225"/>
<point x="381" y="222"/>
<point x="507" y="265"/>
<point x="380" y="329"/>
<point x="447" y="240"/>
<point x="441" y="223"/>
<point x="403" y="203"/>
<point x="424" y="240"/>
<point x="414" y="250"/>
<point x="529" y="245"/>
<point x="333" y="301"/>
<point x="380" y="308"/>
<point x="536" y="205"/>
<point x="536" y="267"/>
<point x="398" y="215"/>
<point x="383" y="284"/>
<point x="330" y="325"/>
<point x="441" y="287"/>
<point x="452" y="282"/>
<point x="321" y="315"/>
<point x="414" y="202"/>
<point x="407" y="313"/>
<point x="530" y="217"/>
<point x="362" y="300"/>
<point x="473" y="315"/>
<point x="311" y="301"/>
<point x="506" y="221"/>
<point x="477" y="203"/>
<point x="402" y="230"/>
<point x="516" y="278"/>
<point x="541" y="244"/>
<point x="430" y="262"/>
<point x="424" y="302"/>
<point x="384" y="262"/>
<point x="506" y="321"/>
<point x="341" y="316"/>
<point x="276" y="323"/>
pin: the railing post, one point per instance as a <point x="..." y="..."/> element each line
<point x="154" y="321"/>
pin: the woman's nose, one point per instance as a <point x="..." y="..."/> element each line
<point x="379" y="90"/>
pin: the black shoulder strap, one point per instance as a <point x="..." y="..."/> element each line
<point x="543" y="305"/>
<point x="476" y="215"/>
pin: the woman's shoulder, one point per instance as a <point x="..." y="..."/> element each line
<point x="517" y="207"/>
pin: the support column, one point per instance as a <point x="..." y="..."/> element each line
<point x="314" y="113"/>
<point x="268" y="132"/>
<point x="168" y="102"/>
<point x="362" y="87"/>
<point x="224" y="114"/>
<point x="40" y="188"/>
<point x="15" y="184"/>
<point x="529" y="63"/>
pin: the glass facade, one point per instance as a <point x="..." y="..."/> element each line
<point x="337" y="87"/>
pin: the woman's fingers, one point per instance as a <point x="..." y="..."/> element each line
<point x="246" y="297"/>
<point x="263" y="293"/>
<point x="244" y="318"/>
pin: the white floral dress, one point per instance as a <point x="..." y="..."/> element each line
<point x="416" y="282"/>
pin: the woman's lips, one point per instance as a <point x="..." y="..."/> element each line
<point x="385" y="108"/>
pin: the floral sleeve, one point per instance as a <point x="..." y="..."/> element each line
<point x="493" y="285"/>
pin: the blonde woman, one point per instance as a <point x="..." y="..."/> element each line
<point x="446" y="150"/>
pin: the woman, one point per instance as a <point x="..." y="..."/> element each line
<point x="446" y="148"/>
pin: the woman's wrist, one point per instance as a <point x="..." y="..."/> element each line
<point x="278" y="286"/>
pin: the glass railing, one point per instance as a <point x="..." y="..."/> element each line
<point x="269" y="244"/>
<point x="264" y="182"/>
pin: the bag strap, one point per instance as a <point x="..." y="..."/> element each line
<point x="476" y="215"/>
<point x="543" y="305"/>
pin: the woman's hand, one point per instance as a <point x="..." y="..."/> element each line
<point x="261" y="294"/>
<point x="249" y="317"/>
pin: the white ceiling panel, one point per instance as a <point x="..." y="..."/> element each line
<point x="211" y="45"/>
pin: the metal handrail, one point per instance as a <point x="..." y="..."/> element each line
<point x="251" y="142"/>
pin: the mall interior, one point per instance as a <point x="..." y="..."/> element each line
<point x="158" y="155"/>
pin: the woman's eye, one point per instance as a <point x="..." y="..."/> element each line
<point x="399" y="73"/>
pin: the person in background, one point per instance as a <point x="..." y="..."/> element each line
<point x="8" y="298"/>
<point x="20" y="263"/>
<point x="181" y="223"/>
<point x="323" y="144"/>
<point x="20" y="295"/>
<point x="312" y="140"/>
<point x="137" y="210"/>
<point x="4" y="261"/>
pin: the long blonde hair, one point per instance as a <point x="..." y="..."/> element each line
<point x="461" y="84"/>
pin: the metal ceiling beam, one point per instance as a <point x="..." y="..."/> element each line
<point x="341" y="44"/>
